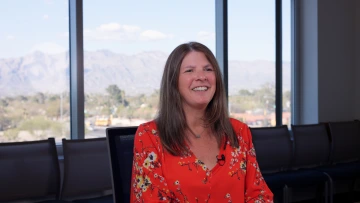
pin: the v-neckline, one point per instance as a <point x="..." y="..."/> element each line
<point x="221" y="152"/>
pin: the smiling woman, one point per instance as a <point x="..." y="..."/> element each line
<point x="176" y="156"/>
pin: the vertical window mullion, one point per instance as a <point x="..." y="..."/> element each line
<point x="76" y="54"/>
<point x="278" y="62"/>
<point x="221" y="27"/>
<point x="295" y="111"/>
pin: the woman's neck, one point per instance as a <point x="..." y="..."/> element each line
<point x="194" y="117"/>
<point x="195" y="122"/>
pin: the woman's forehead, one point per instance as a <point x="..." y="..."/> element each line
<point x="194" y="58"/>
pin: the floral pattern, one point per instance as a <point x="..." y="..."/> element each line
<point x="160" y="177"/>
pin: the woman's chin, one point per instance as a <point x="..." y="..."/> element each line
<point x="201" y="105"/>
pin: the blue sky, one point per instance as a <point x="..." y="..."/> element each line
<point x="131" y="27"/>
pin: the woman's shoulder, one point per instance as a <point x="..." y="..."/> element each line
<point x="147" y="133"/>
<point x="238" y="124"/>
<point x="241" y="129"/>
<point x="148" y="125"/>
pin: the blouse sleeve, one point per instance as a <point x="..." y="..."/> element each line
<point x="148" y="184"/>
<point x="256" y="189"/>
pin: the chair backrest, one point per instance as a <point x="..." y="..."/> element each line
<point x="345" y="141"/>
<point x="120" y="145"/>
<point x="29" y="170"/>
<point x="273" y="148"/>
<point x="86" y="168"/>
<point x="311" y="145"/>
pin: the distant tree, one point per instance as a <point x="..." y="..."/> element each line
<point x="130" y="113"/>
<point x="265" y="96"/>
<point x="144" y="113"/>
<point x="42" y="128"/>
<point x="156" y="93"/>
<point x="39" y="98"/>
<point x="11" y="99"/>
<point x="241" y="104"/>
<point x="106" y="110"/>
<point x="22" y="98"/>
<point x="5" y="122"/>
<point x="4" y="103"/>
<point x="287" y="95"/>
<point x="116" y="95"/>
<point x="244" y="92"/>
<point x="11" y="135"/>
<point x="54" y="97"/>
<point x="53" y="109"/>
<point x="286" y="99"/>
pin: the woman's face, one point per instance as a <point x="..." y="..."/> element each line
<point x="197" y="81"/>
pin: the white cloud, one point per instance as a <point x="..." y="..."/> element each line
<point x="116" y="27"/>
<point x="153" y="35"/>
<point x="117" y="32"/>
<point x="105" y="35"/>
<point x="113" y="32"/>
<point x="203" y="35"/>
<point x="45" y="17"/>
<point x="10" y="37"/>
<point x="110" y="27"/>
<point x="131" y="28"/>
<point x="49" y="48"/>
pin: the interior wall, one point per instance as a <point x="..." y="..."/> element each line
<point x="336" y="59"/>
<point x="357" y="72"/>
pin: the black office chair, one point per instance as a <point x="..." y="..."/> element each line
<point x="345" y="154"/>
<point x="29" y="171"/>
<point x="120" y="144"/>
<point x="311" y="151"/>
<point x="345" y="141"/>
<point x="274" y="153"/>
<point x="87" y="173"/>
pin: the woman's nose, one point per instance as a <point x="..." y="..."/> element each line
<point x="201" y="76"/>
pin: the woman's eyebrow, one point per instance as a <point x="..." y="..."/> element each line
<point x="189" y="66"/>
<point x="192" y="67"/>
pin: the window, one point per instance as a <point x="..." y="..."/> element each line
<point x="251" y="64"/>
<point x="34" y="71"/>
<point x="125" y="53"/>
<point x="286" y="68"/>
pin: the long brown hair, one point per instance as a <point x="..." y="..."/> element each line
<point x="171" y="121"/>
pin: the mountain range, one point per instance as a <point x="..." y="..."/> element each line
<point x="136" y="74"/>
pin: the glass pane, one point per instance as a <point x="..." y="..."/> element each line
<point x="34" y="71"/>
<point x="125" y="53"/>
<point x="286" y="26"/>
<point x="252" y="62"/>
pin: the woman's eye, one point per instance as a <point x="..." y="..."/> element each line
<point x="209" y="69"/>
<point x="188" y="71"/>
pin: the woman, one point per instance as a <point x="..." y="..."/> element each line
<point x="193" y="151"/>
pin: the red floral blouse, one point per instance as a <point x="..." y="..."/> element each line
<point x="158" y="176"/>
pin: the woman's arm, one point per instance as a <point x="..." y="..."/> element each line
<point x="148" y="184"/>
